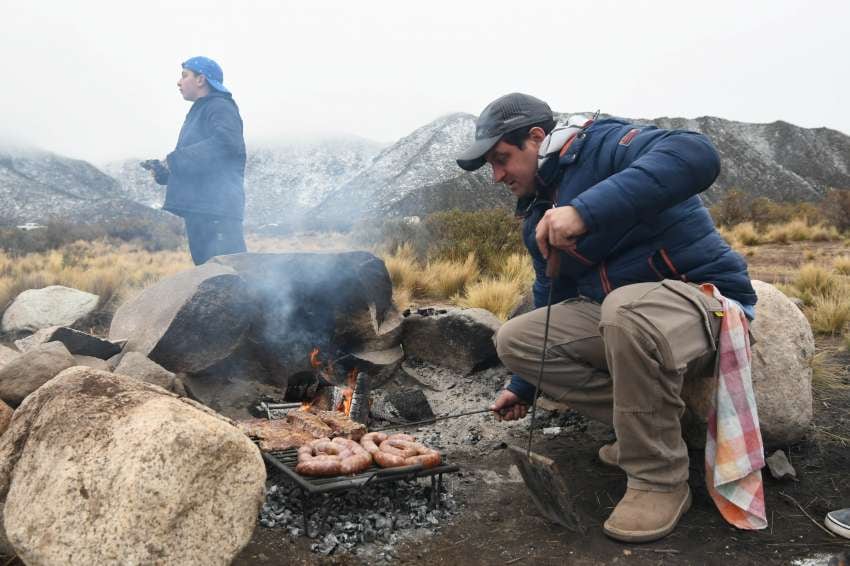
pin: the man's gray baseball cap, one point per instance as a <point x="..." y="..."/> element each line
<point x="506" y="114"/>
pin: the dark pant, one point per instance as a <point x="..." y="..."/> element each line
<point x="210" y="236"/>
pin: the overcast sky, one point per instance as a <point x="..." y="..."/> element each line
<point x="97" y="80"/>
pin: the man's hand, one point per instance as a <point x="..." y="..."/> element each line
<point x="158" y="169"/>
<point x="509" y="407"/>
<point x="559" y="228"/>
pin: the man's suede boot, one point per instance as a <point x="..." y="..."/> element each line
<point x="643" y="516"/>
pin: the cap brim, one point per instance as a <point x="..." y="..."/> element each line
<point x="473" y="157"/>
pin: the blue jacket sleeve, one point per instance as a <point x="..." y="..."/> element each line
<point x="673" y="166"/>
<point x="226" y="142"/>
<point x="521" y="388"/>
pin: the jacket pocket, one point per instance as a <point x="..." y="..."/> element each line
<point x="662" y="265"/>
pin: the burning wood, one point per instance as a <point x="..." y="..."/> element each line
<point x="359" y="409"/>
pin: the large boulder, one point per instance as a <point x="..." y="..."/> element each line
<point x="138" y="366"/>
<point x="31" y="370"/>
<point x="339" y="302"/>
<point x="781" y="370"/>
<point x="98" y="468"/>
<point x="186" y="322"/>
<point x="77" y="342"/>
<point x="55" y="305"/>
<point x="461" y="339"/>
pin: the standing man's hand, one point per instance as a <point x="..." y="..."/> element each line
<point x="508" y="406"/>
<point x="559" y="228"/>
<point x="158" y="169"/>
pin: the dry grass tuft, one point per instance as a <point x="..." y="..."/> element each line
<point x="405" y="271"/>
<point x="799" y="230"/>
<point x="447" y="278"/>
<point x="814" y="281"/>
<point x="499" y="296"/>
<point x="827" y="373"/>
<point x="829" y="314"/>
<point x="841" y="264"/>
<point x="518" y="268"/>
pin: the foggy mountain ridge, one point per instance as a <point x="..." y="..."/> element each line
<point x="334" y="182"/>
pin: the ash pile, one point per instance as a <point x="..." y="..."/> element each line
<point x="367" y="522"/>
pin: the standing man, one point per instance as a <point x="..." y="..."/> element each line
<point x="612" y="208"/>
<point x="205" y="172"/>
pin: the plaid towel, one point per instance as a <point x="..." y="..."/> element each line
<point x="734" y="454"/>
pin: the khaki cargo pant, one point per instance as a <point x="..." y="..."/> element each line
<point x="623" y="363"/>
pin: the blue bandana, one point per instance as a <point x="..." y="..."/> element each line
<point x="210" y="69"/>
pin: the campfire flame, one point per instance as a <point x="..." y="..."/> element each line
<point x="314" y="358"/>
<point x="348" y="392"/>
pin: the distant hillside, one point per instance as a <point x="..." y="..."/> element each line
<point x="37" y="186"/>
<point x="415" y="176"/>
<point x="337" y="182"/>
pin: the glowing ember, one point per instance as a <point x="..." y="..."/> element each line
<point x="314" y="358"/>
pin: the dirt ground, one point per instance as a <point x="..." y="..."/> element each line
<point x="498" y="523"/>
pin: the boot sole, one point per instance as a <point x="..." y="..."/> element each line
<point x="649" y="536"/>
<point x="840" y="529"/>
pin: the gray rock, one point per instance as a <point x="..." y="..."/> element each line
<point x="186" y="322"/>
<point x="380" y="364"/>
<point x="406" y="404"/>
<point x="138" y="366"/>
<point x="55" y="305"/>
<point x="31" y="370"/>
<point x="77" y="342"/>
<point x="145" y="478"/>
<point x="7" y="354"/>
<point x="92" y="362"/>
<point x="525" y="306"/>
<point x="781" y="372"/>
<point x="461" y="339"/>
<point x="779" y="466"/>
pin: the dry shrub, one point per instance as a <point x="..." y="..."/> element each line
<point x="499" y="296"/>
<point x="829" y="314"/>
<point x="489" y="234"/>
<point x="405" y="271"/>
<point x="841" y="264"/>
<point x="745" y="234"/>
<point x="799" y="230"/>
<point x="835" y="207"/>
<point x="110" y="270"/>
<point x="446" y="278"/>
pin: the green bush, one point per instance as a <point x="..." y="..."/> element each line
<point x="489" y="234"/>
<point x="835" y="208"/>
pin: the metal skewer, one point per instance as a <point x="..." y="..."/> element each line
<point x="431" y="420"/>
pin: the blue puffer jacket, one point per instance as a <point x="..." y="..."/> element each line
<point x="207" y="167"/>
<point x="636" y="190"/>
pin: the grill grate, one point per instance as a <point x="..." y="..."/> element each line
<point x="286" y="460"/>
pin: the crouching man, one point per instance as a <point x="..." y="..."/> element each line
<point x="616" y="206"/>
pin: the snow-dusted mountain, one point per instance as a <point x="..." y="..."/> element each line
<point x="338" y="182"/>
<point x="415" y="176"/>
<point x="285" y="182"/>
